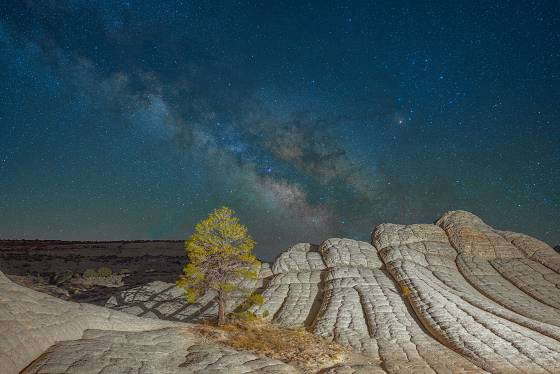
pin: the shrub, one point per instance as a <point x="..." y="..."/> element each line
<point x="405" y="291"/>
<point x="104" y="271"/>
<point x="242" y="311"/>
<point x="90" y="273"/>
<point x="124" y="271"/>
<point x="246" y="316"/>
<point x="256" y="299"/>
<point x="64" y="277"/>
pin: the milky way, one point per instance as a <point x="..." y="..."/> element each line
<point x="134" y="119"/>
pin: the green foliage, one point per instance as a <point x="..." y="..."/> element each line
<point x="64" y="277"/>
<point x="124" y="271"/>
<point x="405" y="291"/>
<point x="191" y="294"/>
<point x="90" y="273"/>
<point x="265" y="313"/>
<point x="252" y="299"/>
<point x="219" y="256"/>
<point x="256" y="299"/>
<point x="104" y="271"/>
<point x="245" y="315"/>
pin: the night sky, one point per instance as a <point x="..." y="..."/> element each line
<point x="135" y="119"/>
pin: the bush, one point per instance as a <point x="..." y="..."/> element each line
<point x="256" y="299"/>
<point x="405" y="291"/>
<point x="104" y="271"/>
<point x="64" y="277"/>
<point x="246" y="316"/>
<point x="124" y="271"/>
<point x="90" y="273"/>
<point x="252" y="300"/>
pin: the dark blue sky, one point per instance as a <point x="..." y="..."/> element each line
<point x="134" y="119"/>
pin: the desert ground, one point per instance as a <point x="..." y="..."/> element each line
<point x="41" y="264"/>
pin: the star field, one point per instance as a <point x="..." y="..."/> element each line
<point x="134" y="119"/>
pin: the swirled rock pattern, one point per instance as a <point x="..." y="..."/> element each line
<point x="457" y="296"/>
<point x="460" y="317"/>
<point x="168" y="350"/>
<point x="43" y="334"/>
<point x="341" y="290"/>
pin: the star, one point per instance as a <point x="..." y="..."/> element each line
<point x="133" y="103"/>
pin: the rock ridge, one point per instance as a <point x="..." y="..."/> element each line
<point x="454" y="296"/>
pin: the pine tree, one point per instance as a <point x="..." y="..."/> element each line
<point x="219" y="258"/>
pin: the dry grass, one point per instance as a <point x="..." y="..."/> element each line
<point x="293" y="346"/>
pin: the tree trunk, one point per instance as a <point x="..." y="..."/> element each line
<point x="221" y="309"/>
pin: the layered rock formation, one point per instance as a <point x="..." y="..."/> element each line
<point x="457" y="296"/>
<point x="446" y="281"/>
<point x="43" y="334"/>
<point x="341" y="290"/>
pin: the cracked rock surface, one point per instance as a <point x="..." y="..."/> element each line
<point x="455" y="313"/>
<point x="162" y="300"/>
<point x="169" y="350"/>
<point x="353" y="300"/>
<point x="42" y="334"/>
<point x="457" y="296"/>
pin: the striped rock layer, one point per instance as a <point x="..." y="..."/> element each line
<point x="41" y="334"/>
<point x="454" y="297"/>
<point x="457" y="296"/>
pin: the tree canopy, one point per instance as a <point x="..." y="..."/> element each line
<point x="220" y="257"/>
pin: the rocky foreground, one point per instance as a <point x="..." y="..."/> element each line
<point x="454" y="297"/>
